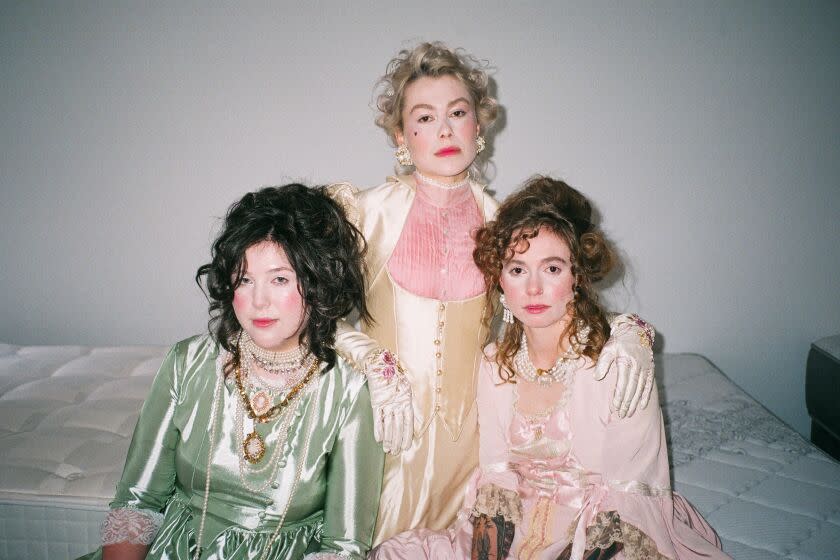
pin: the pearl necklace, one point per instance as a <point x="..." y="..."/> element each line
<point x="441" y="185"/>
<point x="273" y="362"/>
<point x="217" y="401"/>
<point x="253" y="447"/>
<point x="559" y="372"/>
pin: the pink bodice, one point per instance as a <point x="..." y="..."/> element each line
<point x="541" y="454"/>
<point x="433" y="257"/>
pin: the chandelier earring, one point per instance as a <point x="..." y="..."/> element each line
<point x="480" y="144"/>
<point x="403" y="155"/>
<point x="507" y="316"/>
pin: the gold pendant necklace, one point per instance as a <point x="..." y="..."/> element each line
<point x="253" y="447"/>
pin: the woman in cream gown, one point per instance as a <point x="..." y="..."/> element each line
<point x="425" y="294"/>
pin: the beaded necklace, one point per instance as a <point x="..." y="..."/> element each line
<point x="441" y="185"/>
<point x="273" y="362"/>
<point x="217" y="400"/>
<point x="558" y="373"/>
<point x="253" y="448"/>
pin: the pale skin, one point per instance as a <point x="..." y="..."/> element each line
<point x="267" y="302"/>
<point x="439" y="127"/>
<point x="539" y="286"/>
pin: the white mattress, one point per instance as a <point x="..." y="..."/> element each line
<point x="66" y="418"/>
<point x="67" y="414"/>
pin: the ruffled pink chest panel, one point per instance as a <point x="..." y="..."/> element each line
<point x="433" y="257"/>
<point x="544" y="436"/>
<point x="541" y="454"/>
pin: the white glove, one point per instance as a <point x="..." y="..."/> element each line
<point x="390" y="397"/>
<point x="630" y="350"/>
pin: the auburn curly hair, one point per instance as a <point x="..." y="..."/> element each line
<point x="543" y="202"/>
<point x="325" y="249"/>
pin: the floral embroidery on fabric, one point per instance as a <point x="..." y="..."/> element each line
<point x="383" y="364"/>
<point x="608" y="528"/>
<point x="493" y="500"/>
<point x="646" y="333"/>
<point x="130" y="525"/>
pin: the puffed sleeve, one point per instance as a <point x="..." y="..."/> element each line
<point x="352" y="345"/>
<point x="148" y="477"/>
<point x="634" y="450"/>
<point x="345" y="195"/>
<point x="497" y="488"/>
<point x="354" y="482"/>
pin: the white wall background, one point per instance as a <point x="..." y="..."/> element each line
<point x="707" y="133"/>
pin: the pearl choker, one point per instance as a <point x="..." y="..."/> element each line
<point x="446" y="186"/>
<point x="272" y="362"/>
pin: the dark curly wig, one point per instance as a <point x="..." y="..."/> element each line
<point x="325" y="249"/>
<point x="543" y="202"/>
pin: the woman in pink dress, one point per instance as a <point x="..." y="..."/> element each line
<point x="561" y="475"/>
<point x="424" y="292"/>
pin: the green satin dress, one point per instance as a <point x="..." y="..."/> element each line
<point x="330" y="450"/>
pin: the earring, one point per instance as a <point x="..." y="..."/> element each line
<point x="480" y="144"/>
<point x="403" y="155"/>
<point x="507" y="316"/>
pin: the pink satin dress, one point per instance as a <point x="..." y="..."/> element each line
<point x="579" y="471"/>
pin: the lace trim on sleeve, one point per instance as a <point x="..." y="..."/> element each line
<point x="130" y="525"/>
<point x="608" y="528"/>
<point x="493" y="500"/>
<point x="325" y="556"/>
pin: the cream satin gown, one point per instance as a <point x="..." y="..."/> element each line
<point x="437" y="339"/>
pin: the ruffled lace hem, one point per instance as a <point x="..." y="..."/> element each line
<point x="130" y="525"/>
<point x="493" y="500"/>
<point x="608" y="529"/>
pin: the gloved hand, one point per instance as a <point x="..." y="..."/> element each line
<point x="630" y="350"/>
<point x="390" y="396"/>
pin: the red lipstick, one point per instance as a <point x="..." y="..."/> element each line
<point x="449" y="151"/>
<point x="263" y="323"/>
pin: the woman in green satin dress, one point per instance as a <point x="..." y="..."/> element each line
<point x="256" y="441"/>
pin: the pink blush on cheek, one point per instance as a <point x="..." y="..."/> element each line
<point x="239" y="302"/>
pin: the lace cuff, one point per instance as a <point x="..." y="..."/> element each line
<point x="130" y="525"/>
<point x="493" y="500"/>
<point x="608" y="528"/>
<point x="325" y="556"/>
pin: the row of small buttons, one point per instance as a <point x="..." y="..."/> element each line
<point x="439" y="354"/>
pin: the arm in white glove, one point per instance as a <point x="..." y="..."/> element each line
<point x="390" y="391"/>
<point x="630" y="350"/>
